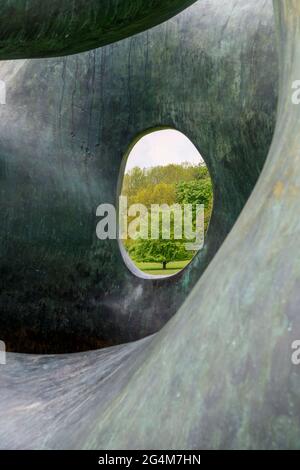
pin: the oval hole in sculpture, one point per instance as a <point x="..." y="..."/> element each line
<point x="165" y="204"/>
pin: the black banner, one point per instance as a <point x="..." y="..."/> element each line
<point x="132" y="459"/>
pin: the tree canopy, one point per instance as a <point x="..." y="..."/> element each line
<point x="170" y="184"/>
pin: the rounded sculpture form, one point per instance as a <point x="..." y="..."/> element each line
<point x="195" y="73"/>
<point x="219" y="374"/>
<point x="35" y="28"/>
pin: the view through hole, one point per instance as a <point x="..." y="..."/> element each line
<point x="168" y="196"/>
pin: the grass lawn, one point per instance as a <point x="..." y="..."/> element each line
<point x="156" y="268"/>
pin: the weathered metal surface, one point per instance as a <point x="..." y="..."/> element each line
<point x="37" y="28"/>
<point x="211" y="73"/>
<point x="219" y="374"/>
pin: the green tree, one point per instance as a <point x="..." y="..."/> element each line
<point x="138" y="178"/>
<point x="161" y="193"/>
<point x="159" y="251"/>
<point x="172" y="173"/>
<point x="197" y="191"/>
<point x="170" y="184"/>
<point x="134" y="180"/>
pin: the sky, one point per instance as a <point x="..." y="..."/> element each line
<point x="162" y="148"/>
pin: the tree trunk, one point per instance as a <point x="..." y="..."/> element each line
<point x="164" y="265"/>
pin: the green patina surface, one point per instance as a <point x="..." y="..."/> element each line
<point x="37" y="28"/>
<point x="219" y="375"/>
<point x="65" y="129"/>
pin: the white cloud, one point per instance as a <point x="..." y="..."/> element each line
<point x="162" y="148"/>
